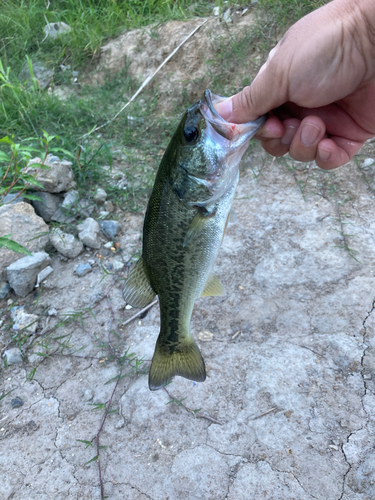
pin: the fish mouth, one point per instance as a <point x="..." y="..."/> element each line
<point x="233" y="132"/>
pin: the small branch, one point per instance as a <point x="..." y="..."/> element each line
<point x="139" y="313"/>
<point x="148" y="79"/>
<point x="275" y="409"/>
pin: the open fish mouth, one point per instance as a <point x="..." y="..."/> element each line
<point x="236" y="133"/>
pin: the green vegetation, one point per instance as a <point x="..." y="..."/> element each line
<point x="136" y="138"/>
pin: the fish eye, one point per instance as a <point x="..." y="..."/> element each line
<point x="191" y="134"/>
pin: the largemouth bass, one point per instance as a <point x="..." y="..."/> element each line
<point x="183" y="228"/>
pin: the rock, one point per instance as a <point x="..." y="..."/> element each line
<point x="110" y="228"/>
<point x="16" y="402"/>
<point x="43" y="75"/>
<point x="4" y="289"/>
<point x="187" y="76"/>
<point x="22" y="274"/>
<point x="23" y="320"/>
<point x="13" y="356"/>
<point x="117" y="265"/>
<point x="48" y="205"/>
<point x="52" y="312"/>
<point x="72" y="207"/>
<point x="103" y="214"/>
<point x="66" y="212"/>
<point x="108" y="206"/>
<point x="56" y="179"/>
<point x="66" y="244"/>
<point x="89" y="233"/>
<point x="226" y="16"/>
<point x="53" y="30"/>
<point x="100" y="195"/>
<point x="10" y="199"/>
<point x="216" y="11"/>
<point x="20" y="221"/>
<point x="43" y="275"/>
<point x="108" y="245"/>
<point x="83" y="269"/>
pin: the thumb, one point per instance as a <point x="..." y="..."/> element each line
<point x="264" y="94"/>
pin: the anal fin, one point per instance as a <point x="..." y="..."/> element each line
<point x="138" y="291"/>
<point x="213" y="287"/>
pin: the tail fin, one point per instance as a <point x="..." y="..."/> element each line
<point x="185" y="361"/>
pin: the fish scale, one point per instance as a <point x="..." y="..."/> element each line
<point x="183" y="228"/>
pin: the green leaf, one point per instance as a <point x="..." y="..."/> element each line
<point x="6" y="140"/>
<point x="87" y="443"/>
<point x="31" y="374"/>
<point x="32" y="197"/>
<point x="13" y="245"/>
<point x="92" y="460"/>
<point x="4" y="157"/>
<point x="31" y="180"/>
<point x="6" y="394"/>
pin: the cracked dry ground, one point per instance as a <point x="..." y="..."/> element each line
<point x="304" y="309"/>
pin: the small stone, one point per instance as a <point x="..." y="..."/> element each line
<point x="66" y="244"/>
<point x="368" y="162"/>
<point x="22" y="274"/>
<point x="103" y="214"/>
<point x="53" y="30"/>
<point x="83" y="269"/>
<point x="13" y="356"/>
<point x="43" y="275"/>
<point x="117" y="265"/>
<point x="205" y="336"/>
<point x="4" y="289"/>
<point x="16" y="402"/>
<point x="52" y="312"/>
<point x="120" y="424"/>
<point x="108" y="206"/>
<point x="91" y="262"/>
<point x="110" y="228"/>
<point x="216" y="11"/>
<point x="226" y="16"/>
<point x="100" y="195"/>
<point x="47" y="206"/>
<point x="10" y="302"/>
<point x="89" y="233"/>
<point x="88" y="394"/>
<point x="108" y="245"/>
<point x="23" y="320"/>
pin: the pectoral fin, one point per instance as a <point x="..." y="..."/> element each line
<point x="138" y="291"/>
<point x="194" y="227"/>
<point x="213" y="287"/>
<point x="199" y="219"/>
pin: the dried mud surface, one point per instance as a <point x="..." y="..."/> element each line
<point x="290" y="364"/>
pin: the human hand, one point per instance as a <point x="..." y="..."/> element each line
<point x="318" y="85"/>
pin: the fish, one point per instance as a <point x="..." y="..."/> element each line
<point x="184" y="225"/>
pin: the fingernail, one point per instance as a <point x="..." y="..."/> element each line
<point x="309" y="134"/>
<point x="324" y="154"/>
<point x="289" y="133"/>
<point x="224" y="108"/>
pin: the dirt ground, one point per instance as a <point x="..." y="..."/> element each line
<point x="288" y="407"/>
<point x="289" y="393"/>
